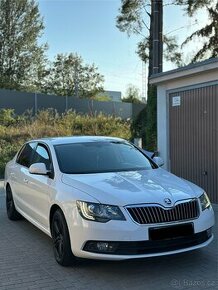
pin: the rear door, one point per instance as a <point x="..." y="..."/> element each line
<point x="19" y="175"/>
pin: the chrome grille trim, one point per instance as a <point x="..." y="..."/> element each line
<point x="156" y="213"/>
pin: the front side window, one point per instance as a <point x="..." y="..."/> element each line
<point x="42" y="156"/>
<point x="26" y="153"/>
<point x="98" y="157"/>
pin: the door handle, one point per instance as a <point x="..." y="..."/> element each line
<point x="25" y="180"/>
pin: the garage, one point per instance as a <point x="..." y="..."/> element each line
<point x="187" y="117"/>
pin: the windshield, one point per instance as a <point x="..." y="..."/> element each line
<point x="99" y="157"/>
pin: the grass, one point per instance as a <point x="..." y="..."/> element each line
<point x="15" y="130"/>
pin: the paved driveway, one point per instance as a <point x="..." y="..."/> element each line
<point x="26" y="262"/>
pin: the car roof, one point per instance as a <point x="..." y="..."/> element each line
<point x="77" y="139"/>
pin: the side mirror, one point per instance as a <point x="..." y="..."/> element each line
<point x="38" y="168"/>
<point x="158" y="160"/>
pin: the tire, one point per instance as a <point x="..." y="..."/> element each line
<point x="61" y="240"/>
<point x="12" y="213"/>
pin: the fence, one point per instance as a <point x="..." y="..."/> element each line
<point x="22" y="101"/>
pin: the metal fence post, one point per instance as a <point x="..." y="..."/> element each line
<point x="35" y="103"/>
<point x="66" y="104"/>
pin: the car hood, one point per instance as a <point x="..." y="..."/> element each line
<point x="133" y="187"/>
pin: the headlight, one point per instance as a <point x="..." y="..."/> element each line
<point x="204" y="200"/>
<point x="99" y="212"/>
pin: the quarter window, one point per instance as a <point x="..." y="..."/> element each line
<point x="25" y="156"/>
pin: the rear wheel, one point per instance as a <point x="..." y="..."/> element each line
<point x="61" y="240"/>
<point x="12" y="213"/>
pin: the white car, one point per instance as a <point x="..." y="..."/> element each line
<point x="103" y="198"/>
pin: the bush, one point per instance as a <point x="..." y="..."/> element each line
<point x="7" y="117"/>
<point x="15" y="130"/>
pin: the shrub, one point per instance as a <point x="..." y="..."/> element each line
<point x="7" y="117"/>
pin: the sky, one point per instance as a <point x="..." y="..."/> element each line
<point x="88" y="28"/>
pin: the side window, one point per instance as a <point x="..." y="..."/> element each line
<point x="42" y="156"/>
<point x="25" y="156"/>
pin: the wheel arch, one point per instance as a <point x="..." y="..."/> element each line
<point x="7" y="185"/>
<point x="53" y="209"/>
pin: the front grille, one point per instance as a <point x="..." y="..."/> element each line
<point x="157" y="214"/>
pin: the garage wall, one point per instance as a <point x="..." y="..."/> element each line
<point x="193" y="136"/>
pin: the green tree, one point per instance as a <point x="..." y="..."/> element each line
<point x="206" y="36"/>
<point x="22" y="60"/>
<point x="69" y="76"/>
<point x="132" y="95"/>
<point x="101" y="97"/>
<point x="135" y="18"/>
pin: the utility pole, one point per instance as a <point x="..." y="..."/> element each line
<point x="157" y="35"/>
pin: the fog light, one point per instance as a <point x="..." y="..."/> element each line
<point x="100" y="247"/>
<point x="209" y="232"/>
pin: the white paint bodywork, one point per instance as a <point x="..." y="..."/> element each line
<point x="34" y="195"/>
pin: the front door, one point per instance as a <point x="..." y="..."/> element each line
<point x="39" y="187"/>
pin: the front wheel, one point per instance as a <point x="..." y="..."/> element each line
<point x="61" y="240"/>
<point x="12" y="213"/>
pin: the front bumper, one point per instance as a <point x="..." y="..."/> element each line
<point x="153" y="247"/>
<point x="133" y="239"/>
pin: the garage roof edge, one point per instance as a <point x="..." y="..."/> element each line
<point x="195" y="68"/>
